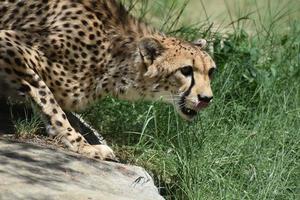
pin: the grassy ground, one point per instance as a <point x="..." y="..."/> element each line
<point x="246" y="144"/>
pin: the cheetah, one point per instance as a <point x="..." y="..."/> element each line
<point x="65" y="54"/>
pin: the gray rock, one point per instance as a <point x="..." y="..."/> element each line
<point x="29" y="171"/>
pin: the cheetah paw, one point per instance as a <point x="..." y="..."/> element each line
<point x="101" y="152"/>
<point x="106" y="152"/>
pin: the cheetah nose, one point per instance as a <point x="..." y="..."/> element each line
<point x="205" y="99"/>
<point x="203" y="102"/>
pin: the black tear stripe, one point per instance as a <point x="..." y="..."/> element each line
<point x="186" y="93"/>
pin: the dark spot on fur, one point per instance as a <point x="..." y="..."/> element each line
<point x="58" y="123"/>
<point x="10" y="53"/>
<point x="52" y="101"/>
<point x="44" y="101"/>
<point x="78" y="139"/>
<point x="42" y="93"/>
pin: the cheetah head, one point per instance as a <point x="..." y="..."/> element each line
<point x="177" y="72"/>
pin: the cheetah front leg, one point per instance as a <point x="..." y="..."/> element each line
<point x="59" y="125"/>
<point x="17" y="63"/>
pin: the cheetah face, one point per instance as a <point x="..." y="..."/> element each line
<point x="183" y="72"/>
<point x="194" y="91"/>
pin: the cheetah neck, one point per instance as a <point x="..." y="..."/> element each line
<point x="125" y="76"/>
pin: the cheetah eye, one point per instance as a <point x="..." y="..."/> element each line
<point x="187" y="70"/>
<point x="210" y="72"/>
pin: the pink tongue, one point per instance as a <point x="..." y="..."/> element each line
<point x="202" y="104"/>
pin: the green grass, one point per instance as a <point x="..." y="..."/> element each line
<point x="27" y="127"/>
<point x="246" y="144"/>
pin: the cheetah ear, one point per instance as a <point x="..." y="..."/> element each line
<point x="150" y="49"/>
<point x="202" y="43"/>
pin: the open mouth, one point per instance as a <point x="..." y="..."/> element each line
<point x="188" y="112"/>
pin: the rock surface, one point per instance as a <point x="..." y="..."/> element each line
<point x="29" y="172"/>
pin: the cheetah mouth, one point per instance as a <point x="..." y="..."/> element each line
<point x="185" y="112"/>
<point x="190" y="113"/>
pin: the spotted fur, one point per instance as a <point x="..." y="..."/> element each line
<point x="65" y="54"/>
